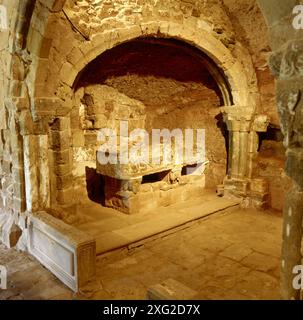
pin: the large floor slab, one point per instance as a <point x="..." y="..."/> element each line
<point x="121" y="230"/>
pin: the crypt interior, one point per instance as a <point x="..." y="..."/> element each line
<point x="228" y="226"/>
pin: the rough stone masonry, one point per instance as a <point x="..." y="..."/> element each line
<point x="70" y="68"/>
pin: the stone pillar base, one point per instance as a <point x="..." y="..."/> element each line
<point x="259" y="193"/>
<point x="236" y="187"/>
<point x="254" y="192"/>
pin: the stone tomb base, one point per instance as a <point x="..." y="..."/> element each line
<point x="134" y="188"/>
<point x="151" y="192"/>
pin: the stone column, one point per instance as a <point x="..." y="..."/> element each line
<point x="243" y="126"/>
<point x="286" y="65"/>
<point x="60" y="134"/>
<point x="36" y="171"/>
<point x="238" y="121"/>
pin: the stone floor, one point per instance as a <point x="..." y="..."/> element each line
<point x="113" y="229"/>
<point x="230" y="256"/>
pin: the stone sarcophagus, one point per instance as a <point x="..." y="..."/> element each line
<point x="133" y="188"/>
<point x="66" y="251"/>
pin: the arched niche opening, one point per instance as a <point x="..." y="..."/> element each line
<point x="152" y="83"/>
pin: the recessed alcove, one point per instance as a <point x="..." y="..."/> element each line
<point x="72" y="69"/>
<point x="151" y="83"/>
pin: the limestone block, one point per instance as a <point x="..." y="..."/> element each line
<point x="62" y="157"/>
<point x="134" y="185"/>
<point x="67" y="252"/>
<point x="65" y="196"/>
<point x="36" y="181"/>
<point x="78" y="138"/>
<point x="62" y="169"/>
<point x="47" y="105"/>
<point x="259" y="186"/>
<point x="90" y="138"/>
<point x="235" y="187"/>
<point x="150" y="27"/>
<point x="34" y="45"/>
<point x="9" y="231"/>
<point x="68" y="73"/>
<point x="63" y="182"/>
<point x="60" y="140"/>
<point x="260" y="123"/>
<point x="166" y="198"/>
<point x="75" y="55"/>
<point x="61" y="124"/>
<point x="58" y="5"/>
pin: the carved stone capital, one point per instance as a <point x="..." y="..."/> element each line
<point x="237" y="118"/>
<point x="243" y="119"/>
<point x="260" y="123"/>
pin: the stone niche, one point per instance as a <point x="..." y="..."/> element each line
<point x="148" y="83"/>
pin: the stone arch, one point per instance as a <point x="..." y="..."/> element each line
<point x="212" y="67"/>
<point x="244" y="92"/>
<point x="198" y="38"/>
<point x="163" y="63"/>
<point x="239" y="71"/>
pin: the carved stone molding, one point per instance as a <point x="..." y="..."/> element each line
<point x="237" y="118"/>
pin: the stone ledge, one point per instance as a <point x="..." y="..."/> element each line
<point x="67" y="252"/>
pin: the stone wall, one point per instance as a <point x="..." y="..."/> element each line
<point x="13" y="70"/>
<point x="49" y="44"/>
